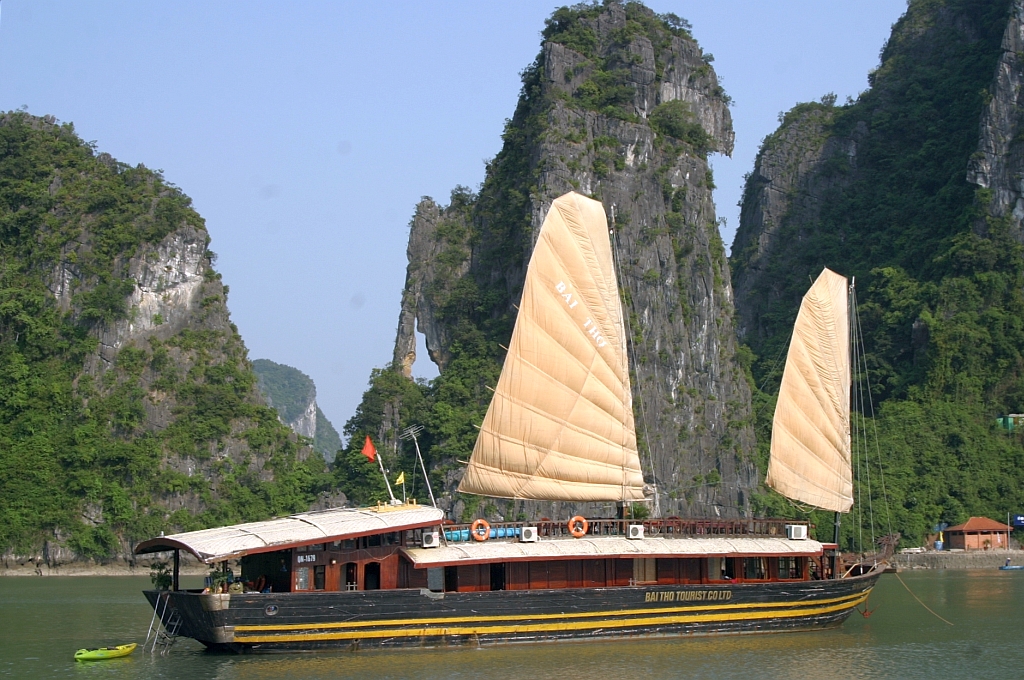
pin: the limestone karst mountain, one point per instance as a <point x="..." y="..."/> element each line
<point x="127" y="403"/>
<point x="621" y="105"/>
<point x="914" y="189"/>
<point x="293" y="394"/>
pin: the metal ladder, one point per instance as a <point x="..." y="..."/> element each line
<point x="163" y="627"/>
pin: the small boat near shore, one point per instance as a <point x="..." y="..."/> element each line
<point x="105" y="653"/>
<point x="1011" y="567"/>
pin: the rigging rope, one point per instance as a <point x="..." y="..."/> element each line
<point x="858" y="354"/>
<point x="874" y="424"/>
<point x="856" y="417"/>
<point x="632" y="359"/>
<point x="919" y="601"/>
<point x="767" y="377"/>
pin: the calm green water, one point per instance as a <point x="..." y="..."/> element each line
<point x="44" y="620"/>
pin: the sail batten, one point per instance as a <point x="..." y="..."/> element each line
<point x="810" y="450"/>
<point x="560" y="425"/>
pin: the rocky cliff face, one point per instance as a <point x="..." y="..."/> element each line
<point x="129" y="405"/>
<point x="789" y="179"/>
<point x="914" y="190"/>
<point x="293" y="394"/>
<point x="998" y="164"/>
<point x="623" y="106"/>
<point x="806" y="202"/>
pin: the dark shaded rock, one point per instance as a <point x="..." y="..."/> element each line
<point x="692" y="400"/>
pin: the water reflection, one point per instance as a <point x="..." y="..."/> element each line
<point x="45" y="619"/>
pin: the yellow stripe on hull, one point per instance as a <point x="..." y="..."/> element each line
<point x="566" y="625"/>
<point x="518" y="617"/>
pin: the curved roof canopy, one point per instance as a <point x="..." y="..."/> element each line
<point x="222" y="543"/>
<point x="608" y="547"/>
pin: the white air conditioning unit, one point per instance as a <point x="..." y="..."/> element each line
<point x="796" y="532"/>
<point x="636" y="532"/>
<point x="431" y="539"/>
<point x="528" y="535"/>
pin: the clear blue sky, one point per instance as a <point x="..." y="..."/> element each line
<point x="305" y="132"/>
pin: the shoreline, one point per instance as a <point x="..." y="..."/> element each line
<point x="189" y="567"/>
<point x="946" y="559"/>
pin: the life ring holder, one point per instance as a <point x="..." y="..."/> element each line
<point x="578" y="526"/>
<point x="474" y="530"/>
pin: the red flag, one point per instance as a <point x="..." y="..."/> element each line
<point x="368" y="450"/>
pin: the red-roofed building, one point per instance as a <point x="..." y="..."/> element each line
<point x="979" y="533"/>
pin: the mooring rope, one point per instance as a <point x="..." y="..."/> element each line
<point x="919" y="601"/>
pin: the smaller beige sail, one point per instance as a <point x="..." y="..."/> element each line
<point x="810" y="452"/>
<point x="560" y="424"/>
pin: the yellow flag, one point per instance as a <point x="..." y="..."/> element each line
<point x="401" y="478"/>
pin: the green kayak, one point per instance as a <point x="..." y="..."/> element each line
<point x="104" y="653"/>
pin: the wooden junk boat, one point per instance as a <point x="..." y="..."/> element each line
<point x="560" y="427"/>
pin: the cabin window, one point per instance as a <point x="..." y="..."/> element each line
<point x="645" y="570"/>
<point x="268" y="572"/>
<point x="790" y="568"/>
<point x="302" y="578"/>
<point x="349" y="544"/>
<point x="755" y="568"/>
<point x="316" y="547"/>
<point x="319" y="577"/>
<point x="301" y="548"/>
<point x="720" y="569"/>
<point x="689" y="571"/>
<point x="594" y="574"/>
<point x="373" y="541"/>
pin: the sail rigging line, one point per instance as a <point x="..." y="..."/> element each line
<point x="767" y="377"/>
<point x="632" y="358"/>
<point x="859" y="455"/>
<point x="855" y="354"/>
<point x="874" y="424"/>
<point x="856" y="398"/>
<point x="806" y="509"/>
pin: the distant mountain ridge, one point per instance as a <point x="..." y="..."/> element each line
<point x="293" y="394"/>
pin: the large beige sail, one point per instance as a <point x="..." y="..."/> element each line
<point x="810" y="454"/>
<point x="560" y="424"/>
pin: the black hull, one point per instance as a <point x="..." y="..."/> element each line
<point x="255" y="622"/>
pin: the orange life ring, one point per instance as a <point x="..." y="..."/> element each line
<point x="474" y="530"/>
<point x="578" y="526"/>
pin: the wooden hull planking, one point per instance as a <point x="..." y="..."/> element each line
<point x="255" y="622"/>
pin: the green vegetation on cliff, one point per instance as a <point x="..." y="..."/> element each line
<point x="291" y="392"/>
<point x="574" y="113"/>
<point x="941" y="284"/>
<point x="95" y="456"/>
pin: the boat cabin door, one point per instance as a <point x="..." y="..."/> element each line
<point x="351" y="570"/>
<point x="371" y="576"/>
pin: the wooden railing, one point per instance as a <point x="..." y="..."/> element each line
<point x="654" y="528"/>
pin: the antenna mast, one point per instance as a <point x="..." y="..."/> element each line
<point x="411" y="432"/>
